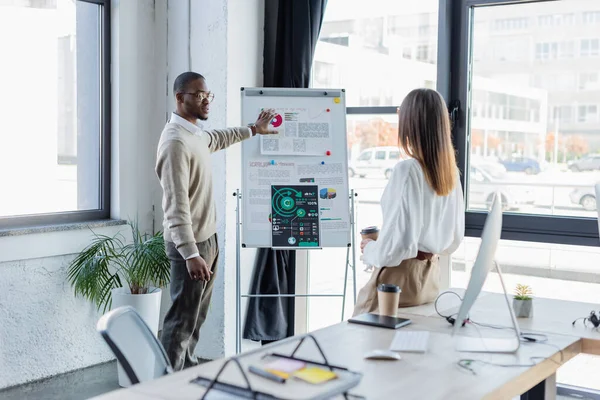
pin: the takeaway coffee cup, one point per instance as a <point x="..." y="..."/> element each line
<point x="388" y="296"/>
<point x="370" y="232"/>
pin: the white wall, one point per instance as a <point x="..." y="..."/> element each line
<point x="225" y="45"/>
<point x="44" y="330"/>
<point x="245" y="58"/>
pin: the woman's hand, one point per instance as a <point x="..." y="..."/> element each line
<point x="363" y="244"/>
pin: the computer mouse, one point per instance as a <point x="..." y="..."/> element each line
<point x="383" y="355"/>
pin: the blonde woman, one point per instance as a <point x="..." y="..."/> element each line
<point x="422" y="205"/>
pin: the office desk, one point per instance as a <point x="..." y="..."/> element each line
<point x="433" y="375"/>
<point x="555" y="316"/>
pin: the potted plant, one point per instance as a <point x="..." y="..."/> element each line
<point x="523" y="301"/>
<point x="98" y="273"/>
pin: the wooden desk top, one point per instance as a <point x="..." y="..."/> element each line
<point x="549" y="315"/>
<point x="433" y="375"/>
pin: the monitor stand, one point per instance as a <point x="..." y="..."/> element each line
<point x="493" y="345"/>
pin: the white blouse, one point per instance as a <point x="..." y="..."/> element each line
<point x="415" y="218"/>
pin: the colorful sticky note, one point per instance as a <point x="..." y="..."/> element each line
<point x="280" y="374"/>
<point x="285" y="365"/>
<point x="315" y="375"/>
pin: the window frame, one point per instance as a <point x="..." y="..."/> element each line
<point x="454" y="42"/>
<point x="103" y="211"/>
<point x="453" y="82"/>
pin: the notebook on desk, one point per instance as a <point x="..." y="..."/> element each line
<point x="382" y="321"/>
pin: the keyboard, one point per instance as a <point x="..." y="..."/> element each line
<point x="410" y="341"/>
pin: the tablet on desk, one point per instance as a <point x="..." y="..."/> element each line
<point x="382" y="321"/>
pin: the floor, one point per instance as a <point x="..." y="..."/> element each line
<point x="78" y="385"/>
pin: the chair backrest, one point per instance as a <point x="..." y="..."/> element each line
<point x="137" y="350"/>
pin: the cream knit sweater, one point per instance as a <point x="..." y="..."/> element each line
<point x="184" y="168"/>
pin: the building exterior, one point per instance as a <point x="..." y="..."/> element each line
<point x="536" y="69"/>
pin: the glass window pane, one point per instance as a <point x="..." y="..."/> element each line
<point x="534" y="112"/>
<point x="49" y="106"/>
<point x="380" y="155"/>
<point x="366" y="156"/>
<point x="367" y="134"/>
<point x="378" y="50"/>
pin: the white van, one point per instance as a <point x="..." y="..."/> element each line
<point x="375" y="161"/>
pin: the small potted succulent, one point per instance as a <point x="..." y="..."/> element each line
<point x="523" y="301"/>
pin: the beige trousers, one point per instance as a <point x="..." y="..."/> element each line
<point x="419" y="281"/>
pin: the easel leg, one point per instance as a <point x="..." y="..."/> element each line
<point x="353" y="240"/>
<point x="345" y="282"/>
<point x="238" y="293"/>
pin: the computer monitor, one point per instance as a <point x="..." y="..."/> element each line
<point x="490" y="237"/>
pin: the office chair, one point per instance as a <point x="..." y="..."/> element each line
<point x="139" y="352"/>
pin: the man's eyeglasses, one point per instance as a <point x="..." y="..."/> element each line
<point x="201" y="96"/>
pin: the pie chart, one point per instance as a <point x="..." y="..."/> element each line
<point x="277" y="121"/>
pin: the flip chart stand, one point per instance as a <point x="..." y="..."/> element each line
<point x="238" y="290"/>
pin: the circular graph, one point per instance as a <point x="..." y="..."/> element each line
<point x="301" y="213"/>
<point x="277" y="121"/>
<point x="284" y="204"/>
<point x="287" y="203"/>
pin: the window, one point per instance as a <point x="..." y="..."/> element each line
<point x="554" y="50"/>
<point x="588" y="81"/>
<point x="54" y="165"/>
<point x="556" y="20"/>
<point x="562" y="114"/>
<point x="393" y="50"/>
<point x="590" y="47"/>
<point x="324" y="74"/>
<point x="530" y="122"/>
<point x="339" y="40"/>
<point x="366" y="156"/>
<point x="591" y="17"/>
<point x="507" y="24"/>
<point x="423" y="53"/>
<point x="563" y="81"/>
<point x="587" y="113"/>
<point x="378" y="37"/>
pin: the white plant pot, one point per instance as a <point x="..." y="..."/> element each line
<point x="148" y="306"/>
<point x="523" y="308"/>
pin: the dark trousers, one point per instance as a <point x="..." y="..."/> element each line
<point x="191" y="300"/>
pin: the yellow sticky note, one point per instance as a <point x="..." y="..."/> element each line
<point x="336" y="100"/>
<point x="315" y="375"/>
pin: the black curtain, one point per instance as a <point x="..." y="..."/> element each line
<point x="291" y="34"/>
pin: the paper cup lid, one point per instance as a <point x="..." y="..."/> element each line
<point x="369" y="229"/>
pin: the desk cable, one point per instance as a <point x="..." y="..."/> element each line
<point x="525" y="337"/>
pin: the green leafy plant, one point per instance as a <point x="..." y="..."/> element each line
<point x="523" y="292"/>
<point x="102" y="265"/>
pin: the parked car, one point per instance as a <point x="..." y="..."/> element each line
<point x="522" y="164"/>
<point x="586" y="163"/>
<point x="585" y="196"/>
<point x="486" y="179"/>
<point x="375" y="161"/>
